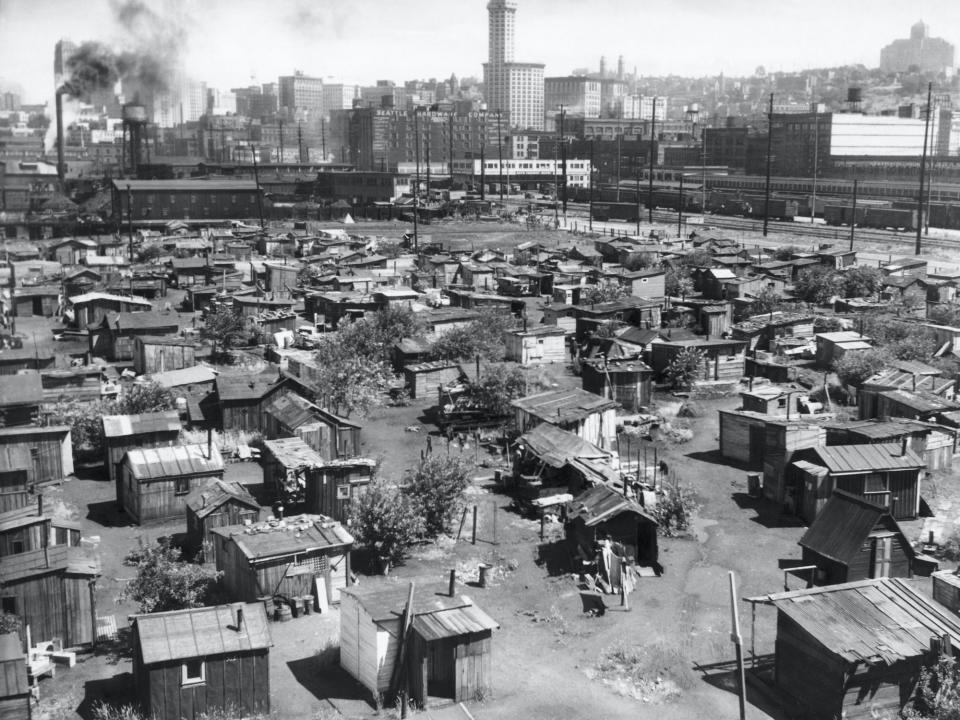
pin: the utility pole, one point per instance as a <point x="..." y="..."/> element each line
<point x="766" y="192"/>
<point x="256" y="178"/>
<point x="816" y="158"/>
<point x="426" y="148"/>
<point x="619" y="139"/>
<point x="300" y="140"/>
<point x="853" y="218"/>
<point x="323" y="138"/>
<point x="590" y="218"/>
<point x="680" y="209"/>
<point x="416" y="182"/>
<point x="563" y="165"/>
<point x="130" y="221"/>
<point x="500" y="157"/>
<point x="923" y="172"/>
<point x="636" y="172"/>
<point x="556" y="186"/>
<point x="281" y="140"/>
<point x="450" y="150"/>
<point x="483" y="155"/>
<point x="653" y="134"/>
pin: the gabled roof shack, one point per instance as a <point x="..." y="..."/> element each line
<point x="840" y="459"/>
<point x="202" y="632"/>
<point x="125" y="425"/>
<point x="298" y="534"/>
<point x="206" y="500"/>
<point x="600" y="503"/>
<point x="177" y="461"/>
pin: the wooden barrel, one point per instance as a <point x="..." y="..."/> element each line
<point x="283" y="613"/>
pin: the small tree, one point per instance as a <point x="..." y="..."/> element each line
<point x="164" y="582"/>
<point x="767" y="300"/>
<point x="386" y="521"/>
<point x="436" y="488"/>
<point x="346" y="382"/>
<point x="606" y="292"/>
<point x="143" y="398"/>
<point x="861" y="281"/>
<point x="855" y="367"/>
<point x="684" y="369"/>
<point x="496" y="387"/>
<point x="483" y="337"/>
<point x="938" y="692"/>
<point x="678" y="283"/>
<point x="224" y="329"/>
<point x="817" y="285"/>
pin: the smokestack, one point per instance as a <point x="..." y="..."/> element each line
<point x="903" y="446"/>
<point x="453" y="583"/>
<point x="61" y="167"/>
<point x="240" y="627"/>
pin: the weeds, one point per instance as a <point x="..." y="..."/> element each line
<point x="656" y="673"/>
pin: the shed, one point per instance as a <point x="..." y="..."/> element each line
<point x="722" y="359"/>
<point x="893" y="378"/>
<point x="20" y="398"/>
<point x="854" y="539"/>
<point x="125" y="432"/>
<point x="162" y="353"/>
<point x="425" y="379"/>
<point x="831" y="346"/>
<point x="330" y="435"/>
<point x="545" y="456"/>
<point x="590" y="417"/>
<point x="188" y="663"/>
<point x="14" y="687"/>
<point x="113" y="336"/>
<point x="242" y="399"/>
<point x="30" y="455"/>
<point x="52" y="590"/>
<point x="602" y="513"/>
<point x="888" y="475"/>
<point x="30" y="528"/>
<point x="934" y="443"/>
<point x="543" y="344"/>
<point x="855" y="650"/>
<point x="629" y="382"/>
<point x="221" y="503"/>
<point x="946" y="589"/>
<point x="157" y="481"/>
<point x="90" y="308"/>
<point x="917" y="405"/>
<point x="449" y="654"/>
<point x="284" y="558"/>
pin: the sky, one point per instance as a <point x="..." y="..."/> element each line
<point x="233" y="43"/>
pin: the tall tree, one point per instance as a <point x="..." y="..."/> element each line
<point x="224" y="329"/>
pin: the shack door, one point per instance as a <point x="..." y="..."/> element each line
<point x="441" y="668"/>
<point x="882" y="553"/>
<point x="758" y="441"/>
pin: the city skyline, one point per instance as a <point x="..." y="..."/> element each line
<point x="232" y="45"/>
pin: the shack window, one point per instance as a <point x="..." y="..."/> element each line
<point x="193" y="672"/>
<point x="8" y="605"/>
<point x="875" y="482"/>
<point x="181" y="486"/>
<point x="343" y="492"/>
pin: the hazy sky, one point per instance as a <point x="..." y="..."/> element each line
<point x="228" y="42"/>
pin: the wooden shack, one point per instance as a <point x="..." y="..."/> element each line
<point x="946" y="589"/>
<point x="936" y="444"/>
<point x="832" y="346"/>
<point x="723" y="360"/>
<point x="589" y="416"/>
<point x="541" y="344"/>
<point x="20" y="398"/>
<point x="544" y="460"/>
<point x="15" y="696"/>
<point x="207" y="660"/>
<point x="30" y="528"/>
<point x="601" y="513"/>
<point x="157" y="481"/>
<point x="896" y="379"/>
<point x="53" y="591"/>
<point x="242" y="399"/>
<point x="113" y="336"/>
<point x="161" y="353"/>
<point x="126" y="432"/>
<point x="221" y="503"/>
<point x="888" y="475"/>
<point x="425" y="379"/>
<point x="30" y="455"/>
<point x="628" y="382"/>
<point x="90" y="308"/>
<point x="916" y="405"/>
<point x="757" y="439"/>
<point x="855" y="650"/>
<point x="449" y="651"/>
<point x="284" y="558"/>
<point x="39" y="301"/>
<point x="854" y="539"/>
<point x="290" y="415"/>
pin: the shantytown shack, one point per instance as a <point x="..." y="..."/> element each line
<point x="14" y="688"/>
<point x="126" y="432"/>
<point x="449" y="656"/>
<point x="222" y="503"/>
<point x="191" y="663"/>
<point x="589" y="416"/>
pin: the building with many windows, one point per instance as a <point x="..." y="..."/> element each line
<point x="527" y="173"/>
<point x="300" y="94"/>
<point x="918" y="52"/>
<point x="516" y="88"/>
<point x="578" y="95"/>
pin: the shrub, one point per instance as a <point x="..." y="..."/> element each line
<point x="436" y="488"/>
<point x="387" y="522"/>
<point x="164" y="582"/>
<point x="684" y="368"/>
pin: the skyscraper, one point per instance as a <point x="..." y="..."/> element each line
<point x="919" y="52"/>
<point x="516" y="88"/>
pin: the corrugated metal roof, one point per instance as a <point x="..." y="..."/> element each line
<point x="291" y="410"/>
<point x="921" y="402"/>
<point x="205" y="500"/>
<point x="124" y="425"/>
<point x="299" y="534"/>
<point x="139" y="321"/>
<point x="557" y="406"/>
<point x="840" y="528"/>
<point x="600" y="503"/>
<point x="293" y="452"/>
<point x="169" y="462"/>
<point x="556" y="447"/>
<point x="196" y="375"/>
<point x="865" y="458"/>
<point x="201" y="632"/>
<point x="453" y="622"/>
<point x="246" y="387"/>
<point x="870" y="621"/>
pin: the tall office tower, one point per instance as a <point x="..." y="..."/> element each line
<point x="62" y="52"/>
<point x="511" y="87"/>
<point x="300" y="95"/>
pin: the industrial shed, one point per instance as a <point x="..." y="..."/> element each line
<point x="590" y="417"/>
<point x="543" y="344"/>
<point x="888" y="475"/>
<point x="157" y="481"/>
<point x="222" y="503"/>
<point x="628" y="382"/>
<point x="601" y="513"/>
<point x="187" y="663"/>
<point x="855" y="650"/>
<point x="854" y="539"/>
<point x="52" y="590"/>
<point x="126" y="432"/>
<point x="162" y="353"/>
<point x="449" y="656"/>
<point x="425" y="379"/>
<point x="14" y="687"/>
<point x="284" y="558"/>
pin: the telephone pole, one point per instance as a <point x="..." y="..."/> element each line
<point x="766" y="191"/>
<point x="923" y="172"/>
<point x="300" y="140"/>
<point x="281" y="140"/>
<point x="653" y="134"/>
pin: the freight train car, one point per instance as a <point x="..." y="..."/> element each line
<point x="780" y="208"/>
<point x="628" y="212"/>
